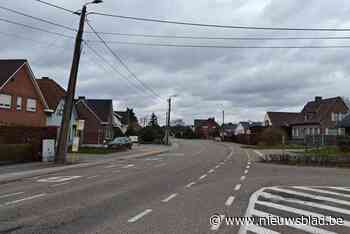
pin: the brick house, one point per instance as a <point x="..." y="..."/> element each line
<point x="281" y="120"/>
<point x="320" y="117"/>
<point x="206" y="128"/>
<point x="21" y="100"/>
<point x="99" y="123"/>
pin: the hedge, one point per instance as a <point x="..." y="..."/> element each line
<point x="16" y="152"/>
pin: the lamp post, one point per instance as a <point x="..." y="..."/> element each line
<point x="62" y="146"/>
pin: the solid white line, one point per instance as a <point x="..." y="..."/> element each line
<point x="246" y="172"/>
<point x="211" y="171"/>
<point x="203" y="176"/>
<point x="340" y="188"/>
<point x="242" y="178"/>
<point x="11" y="194"/>
<point x="170" y="197"/>
<point x="258" y="153"/>
<point x="295" y="210"/>
<point x="139" y="216"/>
<point x="303" y="227"/>
<point x="91" y="177"/>
<point x="321" y="191"/>
<point x="229" y="201"/>
<point x="216" y="227"/>
<point x="25" y="199"/>
<point x="316" y="197"/>
<point x="55" y="185"/>
<point x="259" y="229"/>
<point x="190" y="184"/>
<point x="306" y="203"/>
<point x="237" y="187"/>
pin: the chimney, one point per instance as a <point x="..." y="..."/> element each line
<point x="45" y="78"/>
<point x="318" y="99"/>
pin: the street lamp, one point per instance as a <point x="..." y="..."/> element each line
<point x="62" y="146"/>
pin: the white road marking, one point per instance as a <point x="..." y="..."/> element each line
<point x="211" y="171"/>
<point x="258" y="153"/>
<point x="91" y="177"/>
<point x="217" y="166"/>
<point x="316" y="197"/>
<point x="203" y="176"/>
<point x="11" y="194"/>
<point x="246" y="172"/>
<point x="58" y="179"/>
<point x="25" y="199"/>
<point x="340" y="188"/>
<point x="229" y="201"/>
<point x="259" y="229"/>
<point x="170" y="197"/>
<point x="242" y="178"/>
<point x="248" y="167"/>
<point x="190" y="184"/>
<point x="248" y="162"/>
<point x="237" y="187"/>
<point x="139" y="216"/>
<point x="216" y="227"/>
<point x="111" y="166"/>
<point x="128" y="166"/>
<point x="56" y="185"/>
<point x="321" y="191"/>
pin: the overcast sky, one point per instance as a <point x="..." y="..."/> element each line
<point x="244" y="82"/>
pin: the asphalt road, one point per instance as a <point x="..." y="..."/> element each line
<point x="176" y="192"/>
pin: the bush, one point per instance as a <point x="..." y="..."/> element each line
<point x="16" y="152"/>
<point x="272" y="136"/>
<point x="151" y="134"/>
<point x="343" y="144"/>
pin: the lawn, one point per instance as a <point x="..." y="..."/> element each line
<point x="326" y="151"/>
<point x="262" y="147"/>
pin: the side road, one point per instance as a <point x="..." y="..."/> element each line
<point x="22" y="171"/>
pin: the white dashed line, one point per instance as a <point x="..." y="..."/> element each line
<point x="242" y="178"/>
<point x="216" y="227"/>
<point x="139" y="216"/>
<point x="170" y="197"/>
<point x="11" y="194"/>
<point x="91" y="177"/>
<point x="237" y="187"/>
<point x="248" y="167"/>
<point x="248" y="163"/>
<point x="128" y="166"/>
<point x="190" y="185"/>
<point x="211" y="171"/>
<point x="56" y="185"/>
<point x="203" y="176"/>
<point x="25" y="199"/>
<point x="217" y="166"/>
<point x="229" y="201"/>
<point x="246" y="172"/>
<point x="110" y="166"/>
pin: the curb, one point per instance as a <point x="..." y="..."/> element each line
<point x="17" y="176"/>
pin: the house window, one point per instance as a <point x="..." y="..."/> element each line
<point x="341" y="131"/>
<point x="19" y="103"/>
<point x="31" y="105"/>
<point x="332" y="131"/>
<point x="5" y="101"/>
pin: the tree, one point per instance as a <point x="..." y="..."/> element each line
<point x="177" y="122"/>
<point x="153" y="121"/>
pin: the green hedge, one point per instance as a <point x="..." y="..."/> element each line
<point x="16" y="152"/>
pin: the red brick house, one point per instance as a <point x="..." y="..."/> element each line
<point x="281" y="120"/>
<point x="206" y="128"/>
<point x="98" y="116"/>
<point x="21" y="100"/>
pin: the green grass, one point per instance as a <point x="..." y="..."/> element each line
<point x="326" y="151"/>
<point x="90" y="150"/>
<point x="273" y="147"/>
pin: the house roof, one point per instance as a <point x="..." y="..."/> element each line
<point x="101" y="107"/>
<point x="319" y="109"/>
<point x="203" y="122"/>
<point x="345" y="123"/>
<point x="52" y="91"/>
<point x="280" y="119"/>
<point x="8" y="68"/>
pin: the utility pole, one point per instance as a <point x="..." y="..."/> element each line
<point x="168" y="122"/>
<point x="62" y="146"/>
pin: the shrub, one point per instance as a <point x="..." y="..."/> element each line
<point x="344" y="144"/>
<point x="16" y="152"/>
<point x="272" y="136"/>
<point x="151" y="134"/>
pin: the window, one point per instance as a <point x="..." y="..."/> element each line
<point x="5" y="101"/>
<point x="31" y="105"/>
<point x="19" y="103"/>
<point x="341" y="131"/>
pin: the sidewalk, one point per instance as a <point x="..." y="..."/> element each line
<point x="26" y="170"/>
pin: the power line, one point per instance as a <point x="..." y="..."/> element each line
<point x="98" y="55"/>
<point x="224" y="38"/>
<point x="227" y="47"/>
<point x="55" y="6"/>
<point x="35" y="28"/>
<point x="123" y="63"/>
<point x="217" y="25"/>
<point x="37" y="18"/>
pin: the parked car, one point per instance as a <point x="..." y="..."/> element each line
<point x="134" y="139"/>
<point x="120" y="142"/>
